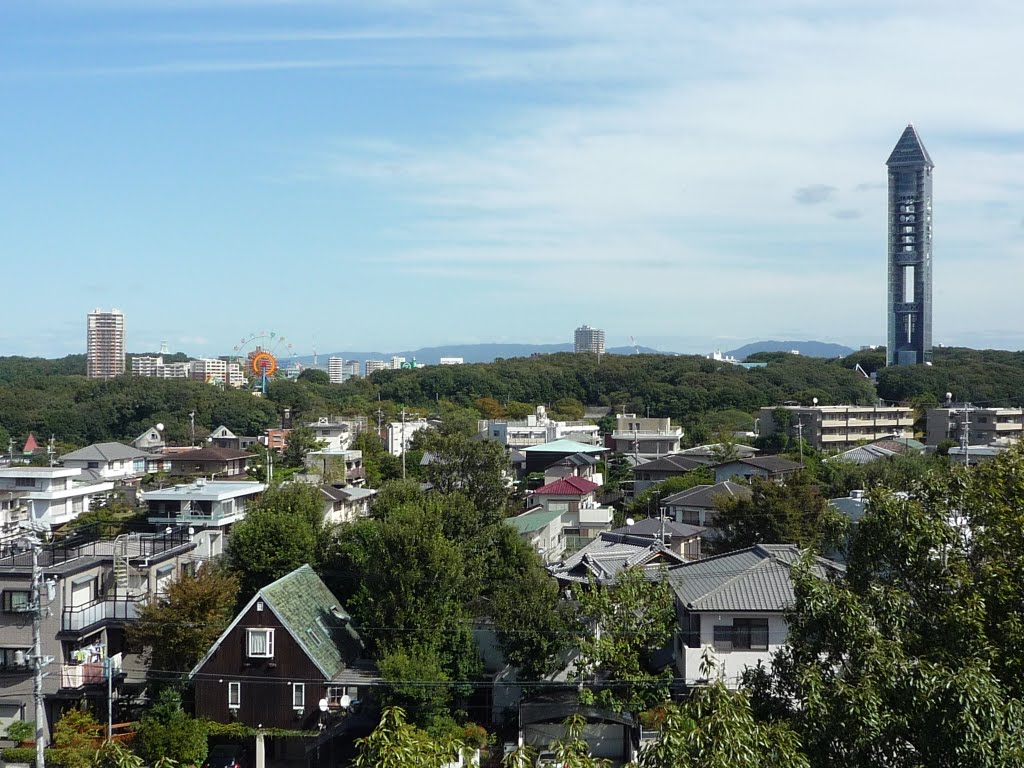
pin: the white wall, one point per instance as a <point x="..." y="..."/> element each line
<point x="729" y="665"/>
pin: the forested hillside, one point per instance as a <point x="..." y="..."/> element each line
<point x="53" y="397"/>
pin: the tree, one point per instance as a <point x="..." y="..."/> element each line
<point x="618" y="627"/>
<point x="793" y="512"/>
<point x="178" y="628"/>
<point x="417" y="684"/>
<point x="301" y="440"/>
<point x="489" y="408"/>
<point x="378" y="464"/>
<point x="395" y="743"/>
<point x="474" y="468"/>
<point x="280" y="533"/>
<point x="915" y="659"/>
<point x="75" y="737"/>
<point x="315" y="376"/>
<point x="167" y="731"/>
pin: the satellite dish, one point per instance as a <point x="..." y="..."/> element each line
<point x="160" y="427"/>
<point x="345" y="702"/>
<point x="630" y="521"/>
<point x="323" y="705"/>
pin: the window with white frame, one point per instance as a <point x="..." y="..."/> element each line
<point x="260" y="643"/>
<point x="335" y="693"/>
<point x="234" y="695"/>
<point x="298" y="695"/>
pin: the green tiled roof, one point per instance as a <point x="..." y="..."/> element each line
<point x="315" y="618"/>
<point x="528" y="522"/>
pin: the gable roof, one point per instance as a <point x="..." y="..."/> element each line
<point x="311" y="613"/>
<point x="212" y="453"/>
<point x="672" y="463"/>
<point x="31" y="444"/>
<point x="346" y="493"/>
<point x="535" y="520"/>
<point x="567" y="486"/>
<point x="222" y="433"/>
<point x="106" y="452"/>
<point x="703" y="496"/>
<point x="564" y="446"/>
<point x="607" y="555"/>
<point x="578" y="460"/>
<point x="758" y="578"/>
<point x="651" y="527"/>
<point x="714" y="450"/>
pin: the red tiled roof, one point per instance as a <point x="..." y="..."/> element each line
<point x="31" y="444"/>
<point x="568" y="486"/>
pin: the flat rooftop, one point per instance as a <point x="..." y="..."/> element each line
<point x="211" y="489"/>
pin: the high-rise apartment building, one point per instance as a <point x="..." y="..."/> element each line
<point x="396" y="362"/>
<point x="105" y="344"/>
<point x="336" y="369"/>
<point x="910" y="252"/>
<point x="351" y="369"/>
<point x="589" y="340"/>
<point x="374" y="365"/>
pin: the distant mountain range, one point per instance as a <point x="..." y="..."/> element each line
<point x="808" y="348"/>
<point x="488" y="353"/>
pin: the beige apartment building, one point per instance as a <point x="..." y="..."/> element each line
<point x="838" y="427"/>
<point x="982" y="426"/>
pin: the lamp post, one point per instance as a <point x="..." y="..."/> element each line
<point x="33" y="530"/>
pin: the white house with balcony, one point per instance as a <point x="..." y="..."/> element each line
<point x="114" y="461"/>
<point x="337" y="434"/>
<point x="536" y="429"/>
<point x="208" y="507"/>
<point x="581" y="514"/>
<point x="53" y="495"/>
<point x="732" y="607"/>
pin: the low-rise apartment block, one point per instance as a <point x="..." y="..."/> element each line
<point x="838" y="427"/>
<point x="53" y="495"/>
<point x="536" y="429"/>
<point x="645" y="437"/>
<point x="981" y="426"/>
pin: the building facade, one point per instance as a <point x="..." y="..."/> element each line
<point x="910" y="252"/>
<point x="589" y="339"/>
<point x="155" y="367"/>
<point x="980" y="426"/>
<point x="372" y="366"/>
<point x="646" y="437"/>
<point x="105" y="344"/>
<point x="336" y="370"/>
<point x="838" y="427"/>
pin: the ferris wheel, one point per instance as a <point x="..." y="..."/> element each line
<point x="263" y="355"/>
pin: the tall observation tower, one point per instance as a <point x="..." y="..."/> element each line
<point x="910" y="252"/>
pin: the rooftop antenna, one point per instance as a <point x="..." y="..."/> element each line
<point x="316" y="360"/>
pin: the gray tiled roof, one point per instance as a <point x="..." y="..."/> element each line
<point x="754" y="579"/>
<point x="106" y="452"/>
<point x="767" y="463"/>
<point x="703" y="496"/>
<point x="607" y="555"/>
<point x="652" y="527"/>
<point x="673" y="463"/>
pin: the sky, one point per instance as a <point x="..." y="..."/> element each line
<point x="405" y="173"/>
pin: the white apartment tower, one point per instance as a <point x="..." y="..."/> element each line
<point x="589" y="340"/>
<point x="105" y="344"/>
<point x="372" y="366"/>
<point x="336" y="370"/>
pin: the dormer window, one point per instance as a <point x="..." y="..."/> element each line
<point x="260" y="643"/>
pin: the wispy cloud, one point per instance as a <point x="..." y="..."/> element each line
<point x="814" y="194"/>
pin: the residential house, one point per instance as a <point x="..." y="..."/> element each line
<point x="885" y="448"/>
<point x="774" y="468"/>
<point x="574" y="497"/>
<point x="151" y="440"/>
<point x="337" y="465"/>
<point x="98" y="589"/>
<point x="578" y="465"/>
<point x="697" y="505"/>
<point x="837" y="427"/>
<point x="543" y="455"/>
<point x="603" y="559"/>
<point x="114" y="461"/>
<point x="337" y="434"/>
<point x="648" y="473"/>
<point x="681" y="538"/>
<point x="275" y="440"/>
<point x="542" y="529"/>
<point x="290" y="660"/>
<point x="222" y="437"/>
<point x="611" y="736"/>
<point x="714" y="452"/>
<point x="345" y="503"/>
<point x="211" y="461"/>
<point x="13" y="511"/>
<point x="645" y="436"/>
<point x="537" y="429"/>
<point x="733" y="607"/>
<point x="54" y="495"/>
<point x="208" y="507"/>
<point x="400" y="433"/>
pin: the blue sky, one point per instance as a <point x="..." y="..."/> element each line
<point x="404" y="173"/>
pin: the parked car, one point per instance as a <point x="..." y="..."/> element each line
<point x="547" y="759"/>
<point x="227" y="756"/>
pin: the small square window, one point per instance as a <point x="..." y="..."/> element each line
<point x="260" y="643"/>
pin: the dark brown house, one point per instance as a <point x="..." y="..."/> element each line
<point x="290" y="648"/>
<point x="221" y="462"/>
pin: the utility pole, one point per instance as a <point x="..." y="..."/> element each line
<point x="403" y="443"/>
<point x="39" y="611"/>
<point x="965" y="435"/>
<point x="50" y="449"/>
<point x="800" y="439"/>
<point x="192" y="418"/>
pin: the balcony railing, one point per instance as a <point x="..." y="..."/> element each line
<point x="89" y="673"/>
<point x="77" y="619"/>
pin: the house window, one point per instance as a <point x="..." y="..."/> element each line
<point x="16" y="600"/>
<point x="25" y="482"/>
<point x="298" y="695"/>
<point x="314" y="636"/>
<point x="723" y="637"/>
<point x="234" y="695"/>
<point x="335" y="692"/>
<point x="750" y="634"/>
<point x="9" y="658"/>
<point x="260" y="643"/>
<point x="691" y="633"/>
